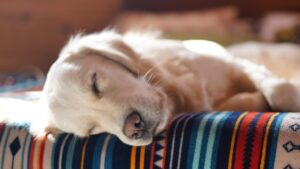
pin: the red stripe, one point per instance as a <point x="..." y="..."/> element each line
<point x="1" y="127"/>
<point x="31" y="157"/>
<point x="165" y="148"/>
<point x="152" y="154"/>
<point x="41" y="161"/>
<point x="258" y="140"/>
<point x="241" y="140"/>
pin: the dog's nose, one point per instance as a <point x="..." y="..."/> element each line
<point x="134" y="126"/>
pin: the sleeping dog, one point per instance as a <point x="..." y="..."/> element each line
<point x="132" y="84"/>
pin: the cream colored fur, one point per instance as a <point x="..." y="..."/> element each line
<point x="283" y="59"/>
<point x="159" y="78"/>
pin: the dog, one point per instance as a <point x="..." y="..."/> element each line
<point x="132" y="84"/>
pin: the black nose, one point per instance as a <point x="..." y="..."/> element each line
<point x="134" y="126"/>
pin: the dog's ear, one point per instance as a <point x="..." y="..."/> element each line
<point x="116" y="51"/>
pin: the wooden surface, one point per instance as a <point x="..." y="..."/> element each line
<point x="32" y="32"/>
<point x="248" y="8"/>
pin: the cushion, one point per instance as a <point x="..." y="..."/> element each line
<point x="205" y="140"/>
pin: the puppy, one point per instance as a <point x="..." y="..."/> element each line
<point x="132" y="84"/>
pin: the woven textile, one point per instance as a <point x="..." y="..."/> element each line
<point x="19" y="82"/>
<point x="220" y="140"/>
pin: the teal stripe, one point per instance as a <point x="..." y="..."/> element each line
<point x="275" y="138"/>
<point x="213" y="159"/>
<point x="205" y="143"/>
<point x="97" y="152"/>
<point x="182" y="137"/>
<point x="23" y="149"/>
<point x="28" y="153"/>
<point x="212" y="138"/>
<point x="109" y="153"/>
<point x="199" y="138"/>
<point x="4" y="147"/>
<point x="70" y="152"/>
<point x="192" y="143"/>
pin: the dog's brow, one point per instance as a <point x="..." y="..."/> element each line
<point x="88" y="51"/>
<point x="125" y="67"/>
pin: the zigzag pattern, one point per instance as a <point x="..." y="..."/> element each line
<point x="159" y="152"/>
<point x="219" y="132"/>
<point x="249" y="144"/>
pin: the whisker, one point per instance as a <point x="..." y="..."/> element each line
<point x="157" y="83"/>
<point x="148" y="73"/>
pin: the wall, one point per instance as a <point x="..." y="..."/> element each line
<point x="252" y="8"/>
<point x="33" y="31"/>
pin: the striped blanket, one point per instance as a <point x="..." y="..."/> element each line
<point x="233" y="140"/>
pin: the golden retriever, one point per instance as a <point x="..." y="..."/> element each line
<point x="132" y="84"/>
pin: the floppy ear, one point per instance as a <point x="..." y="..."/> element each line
<point x="116" y="51"/>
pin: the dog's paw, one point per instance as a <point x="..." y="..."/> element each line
<point x="45" y="128"/>
<point x="52" y="130"/>
<point x="283" y="96"/>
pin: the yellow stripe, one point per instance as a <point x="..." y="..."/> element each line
<point x="39" y="145"/>
<point x="142" y="157"/>
<point x="263" y="155"/>
<point x="233" y="140"/>
<point x="83" y="153"/>
<point x="133" y="156"/>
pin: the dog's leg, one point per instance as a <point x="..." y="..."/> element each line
<point x="245" y="102"/>
<point x="51" y="130"/>
<point x="281" y="94"/>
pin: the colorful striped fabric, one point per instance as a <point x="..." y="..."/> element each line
<point x="219" y="140"/>
<point x="20" y="82"/>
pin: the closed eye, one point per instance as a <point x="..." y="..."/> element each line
<point x="95" y="87"/>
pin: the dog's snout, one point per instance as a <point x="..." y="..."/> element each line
<point x="134" y="126"/>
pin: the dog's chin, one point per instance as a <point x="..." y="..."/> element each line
<point x="146" y="140"/>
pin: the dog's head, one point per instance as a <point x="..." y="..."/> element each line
<point x="95" y="86"/>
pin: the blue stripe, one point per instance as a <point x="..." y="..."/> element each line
<point x="56" y="150"/>
<point x="4" y="147"/>
<point x="65" y="150"/>
<point x="192" y="142"/>
<point x="28" y="153"/>
<point x="275" y="140"/>
<point x="225" y="144"/>
<point x="174" y="142"/>
<point x="109" y="152"/>
<point x="215" y="144"/>
<point x="97" y="152"/>
<point x="184" y="140"/>
<point x="78" y="153"/>
<point x="205" y="143"/>
<point x="23" y="150"/>
<point x="70" y="153"/>
<point x="89" y="151"/>
<point x="199" y="138"/>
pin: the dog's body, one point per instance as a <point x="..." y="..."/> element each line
<point x="131" y="85"/>
<point x="283" y="59"/>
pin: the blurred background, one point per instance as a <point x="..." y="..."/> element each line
<point x="32" y="32"/>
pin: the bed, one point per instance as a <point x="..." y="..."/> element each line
<point x="220" y="140"/>
<point x="217" y="140"/>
